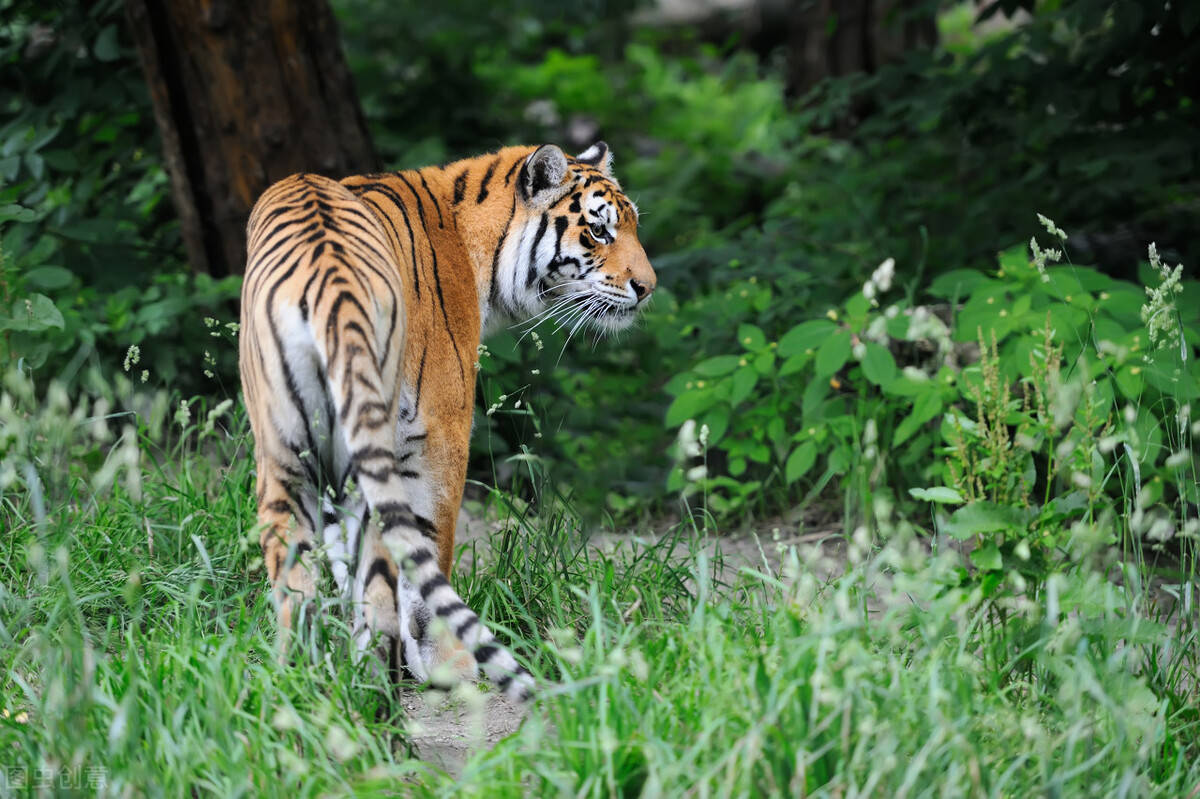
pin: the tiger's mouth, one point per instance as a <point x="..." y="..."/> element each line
<point x="615" y="317"/>
<point x="574" y="307"/>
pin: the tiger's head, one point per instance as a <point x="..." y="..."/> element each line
<point x="576" y="257"/>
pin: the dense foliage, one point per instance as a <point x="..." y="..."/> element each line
<point x="759" y="210"/>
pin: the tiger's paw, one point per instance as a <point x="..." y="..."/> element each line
<point x="436" y="656"/>
<point x="450" y="662"/>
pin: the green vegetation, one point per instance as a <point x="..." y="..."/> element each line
<point x="139" y="652"/>
<point x="1005" y="435"/>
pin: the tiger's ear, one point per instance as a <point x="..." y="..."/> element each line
<point x="599" y="156"/>
<point x="545" y="169"/>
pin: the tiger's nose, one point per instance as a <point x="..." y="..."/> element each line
<point x="639" y="289"/>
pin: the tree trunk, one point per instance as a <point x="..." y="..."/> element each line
<point x="245" y="93"/>
<point x="828" y="39"/>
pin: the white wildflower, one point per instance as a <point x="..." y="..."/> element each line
<point x="1159" y="313"/>
<point x="1051" y="228"/>
<point x="1161" y="529"/>
<point x="689" y="445"/>
<point x="1177" y="459"/>
<point x="1040" y="257"/>
<point x="883" y="274"/>
<point x="132" y="356"/>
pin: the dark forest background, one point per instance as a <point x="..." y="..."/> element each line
<point x="779" y="151"/>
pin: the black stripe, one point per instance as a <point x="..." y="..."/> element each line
<point x="394" y="196"/>
<point x="432" y="199"/>
<point x="531" y="278"/>
<point x="368" y="453"/>
<point x="289" y="379"/>
<point x="483" y="184"/>
<point x="466" y="626"/>
<point x="460" y="186"/>
<point x="432" y="584"/>
<point x="508" y="175"/>
<point x="420" y="557"/>
<point x="485" y="652"/>
<point x="437" y="276"/>
<point x="451" y="609"/>
<point x="496" y="253"/>
<point x="380" y="567"/>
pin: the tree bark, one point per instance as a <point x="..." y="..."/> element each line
<point x="245" y="93"/>
<point x="828" y="39"/>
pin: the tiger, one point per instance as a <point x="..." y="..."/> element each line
<point x="364" y="302"/>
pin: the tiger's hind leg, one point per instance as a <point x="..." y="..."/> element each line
<point x="285" y="518"/>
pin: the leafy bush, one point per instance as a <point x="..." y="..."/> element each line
<point x="829" y="394"/>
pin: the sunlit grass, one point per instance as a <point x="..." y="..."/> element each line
<point x="139" y="655"/>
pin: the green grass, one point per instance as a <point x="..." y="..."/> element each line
<point x="138" y="648"/>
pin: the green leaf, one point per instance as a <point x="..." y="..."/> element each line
<point x="1129" y="380"/>
<point x="744" y="380"/>
<point x="35" y="165"/>
<point x="958" y="283"/>
<point x="717" y="419"/>
<point x="800" y="461"/>
<point x="878" y="365"/>
<point x="106" y="48"/>
<point x="751" y="337"/>
<point x="982" y="517"/>
<point x="925" y="408"/>
<point x="675" y="480"/>
<point x="857" y="308"/>
<point x="805" y="336"/>
<point x="833" y="354"/>
<point x="48" y="277"/>
<point x="16" y="213"/>
<point x="765" y="362"/>
<point x="715" y="367"/>
<point x="987" y="558"/>
<point x="687" y="406"/>
<point x="940" y="494"/>
<point x="35" y="313"/>
<point x="794" y="364"/>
